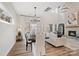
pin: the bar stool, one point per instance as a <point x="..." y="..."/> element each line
<point x="28" y="41"/>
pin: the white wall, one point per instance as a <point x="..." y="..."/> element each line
<point x="7" y="37"/>
<point x="52" y="18"/>
<point x="7" y="31"/>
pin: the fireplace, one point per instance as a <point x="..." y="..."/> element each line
<point x="72" y="33"/>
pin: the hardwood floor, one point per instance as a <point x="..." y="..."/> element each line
<point x="60" y="51"/>
<point x="19" y="50"/>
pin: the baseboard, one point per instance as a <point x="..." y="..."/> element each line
<point x="10" y="48"/>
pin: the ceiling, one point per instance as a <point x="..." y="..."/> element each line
<point x="27" y="8"/>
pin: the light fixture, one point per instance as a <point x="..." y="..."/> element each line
<point x="34" y="20"/>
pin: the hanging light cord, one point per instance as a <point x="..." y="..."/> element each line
<point x="35" y="11"/>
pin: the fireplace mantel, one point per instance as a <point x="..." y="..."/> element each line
<point x="72" y="26"/>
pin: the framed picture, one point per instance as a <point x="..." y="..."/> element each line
<point x="4" y="16"/>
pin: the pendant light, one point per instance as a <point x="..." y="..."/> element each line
<point x="35" y="20"/>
